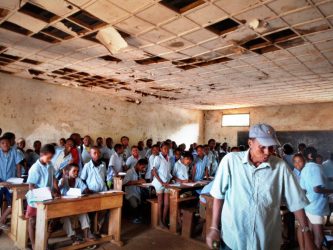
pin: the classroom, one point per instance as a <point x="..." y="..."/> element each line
<point x="166" y="124"/>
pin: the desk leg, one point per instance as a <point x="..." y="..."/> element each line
<point x="173" y="211"/>
<point x="14" y="215"/>
<point x="41" y="228"/>
<point x="209" y="215"/>
<point x="115" y="226"/>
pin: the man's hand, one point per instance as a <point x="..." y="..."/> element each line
<point x="212" y="236"/>
<point x="165" y="184"/>
<point x="141" y="181"/>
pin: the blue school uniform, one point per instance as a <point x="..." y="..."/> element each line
<point x="65" y="185"/>
<point x="41" y="175"/>
<point x="94" y="176"/>
<point x="8" y="162"/>
<point x="201" y="165"/>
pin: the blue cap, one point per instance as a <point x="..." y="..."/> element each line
<point x="265" y="134"/>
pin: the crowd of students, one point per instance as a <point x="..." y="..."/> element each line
<point x="79" y="163"/>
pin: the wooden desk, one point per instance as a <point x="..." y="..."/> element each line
<point x="67" y="207"/>
<point x="175" y="200"/>
<point x="209" y="210"/>
<point x="19" y="192"/>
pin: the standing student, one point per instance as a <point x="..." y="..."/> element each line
<point x="63" y="157"/>
<point x="133" y="159"/>
<point x="201" y="165"/>
<point x="288" y="153"/>
<point x="94" y="172"/>
<point x="162" y="176"/>
<point x="213" y="157"/>
<point x="301" y="148"/>
<point x="116" y="163"/>
<point x="34" y="156"/>
<point x="84" y="149"/>
<point x="142" y="150"/>
<point x="154" y="152"/>
<point x="41" y="174"/>
<point x="10" y="167"/>
<point x="109" y="150"/>
<point x="71" y="180"/>
<point x="177" y="155"/>
<point x="132" y="191"/>
<point x="181" y="169"/>
<point x="124" y="140"/>
<point x="62" y="142"/>
<point x="314" y="183"/>
<point x="149" y="144"/>
<point x="328" y="172"/>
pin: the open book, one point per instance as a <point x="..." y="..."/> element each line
<point x="73" y="193"/>
<point x="15" y="180"/>
<point x="196" y="184"/>
<point x="38" y="195"/>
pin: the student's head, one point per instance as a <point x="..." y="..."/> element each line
<point x="310" y="153"/>
<point x="0" y="131"/>
<point x="149" y="143"/>
<point x="155" y="149"/>
<point x="69" y="144"/>
<point x="178" y="154"/>
<point x="76" y="139"/>
<point x="206" y="149"/>
<point x="301" y="147"/>
<point x="298" y="161"/>
<point x="242" y="148"/>
<point x="165" y="148"/>
<point x="211" y="144"/>
<point x="331" y="156"/>
<point x="288" y="149"/>
<point x="119" y="148"/>
<point x="319" y="159"/>
<point x="159" y="143"/>
<point x="46" y="153"/>
<point x="11" y="137"/>
<point x="195" y="145"/>
<point x="73" y="170"/>
<point x="109" y="142"/>
<point x="141" y="145"/>
<point x="187" y="158"/>
<point x="62" y="142"/>
<point x="141" y="165"/>
<point x="21" y="143"/>
<point x="234" y="149"/>
<point x="224" y="146"/>
<point x="200" y="151"/>
<point x="87" y="141"/>
<point x="173" y="145"/>
<point x="124" y="141"/>
<point x="5" y="144"/>
<point x="95" y="153"/>
<point x="37" y="146"/>
<point x="99" y="142"/>
<point x="135" y="151"/>
<point x="182" y="147"/>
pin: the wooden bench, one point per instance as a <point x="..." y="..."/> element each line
<point x="153" y="212"/>
<point x="187" y="222"/>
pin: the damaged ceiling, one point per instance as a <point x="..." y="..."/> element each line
<point x="192" y="53"/>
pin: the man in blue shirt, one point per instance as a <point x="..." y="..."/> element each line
<point x="9" y="167"/>
<point x="248" y="189"/>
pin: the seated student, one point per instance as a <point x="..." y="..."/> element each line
<point x="154" y="152"/>
<point x="133" y="159"/>
<point x="177" y="155"/>
<point x="84" y="149"/>
<point x="162" y="176"/>
<point x="201" y="165"/>
<point x="116" y="164"/>
<point x="63" y="157"/>
<point x="132" y="192"/>
<point x="313" y="182"/>
<point x="10" y="167"/>
<point x="41" y="174"/>
<point x="124" y="140"/>
<point x="181" y="169"/>
<point x="94" y="172"/>
<point x="71" y="180"/>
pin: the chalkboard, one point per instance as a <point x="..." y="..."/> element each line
<point x="321" y="140"/>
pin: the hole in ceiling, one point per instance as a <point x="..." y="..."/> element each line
<point x="45" y="38"/>
<point x="151" y="60"/>
<point x="3" y="12"/>
<point x="37" y="12"/>
<point x="2" y="48"/>
<point x="214" y="61"/>
<point x="255" y="43"/>
<point x="31" y="61"/>
<point x="110" y="58"/>
<point x="6" y="72"/>
<point x="38" y="78"/>
<point x="91" y="37"/>
<point x="291" y="43"/>
<point x="186" y="67"/>
<point x="266" y="49"/>
<point x="74" y="27"/>
<point x="35" y="72"/>
<point x="64" y="71"/>
<point x="181" y="6"/>
<point x="4" y="61"/>
<point x="313" y="29"/>
<point x="84" y="18"/>
<point x="187" y="61"/>
<point x="223" y="27"/>
<point x="66" y="78"/>
<point x="10" y="57"/>
<point x="145" y="80"/>
<point x="57" y="33"/>
<point x="281" y="35"/>
<point x="15" y="28"/>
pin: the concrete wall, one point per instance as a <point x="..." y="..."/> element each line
<point x="282" y="118"/>
<point x="37" y="110"/>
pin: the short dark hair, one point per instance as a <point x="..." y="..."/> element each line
<point x="188" y="154"/>
<point x="96" y="148"/>
<point x="210" y="140"/>
<point x="134" y="146"/>
<point x="288" y="149"/>
<point x="154" y="146"/>
<point x="9" y="135"/>
<point x="300" y="156"/>
<point x="72" y="165"/>
<point x="302" y="145"/>
<point x="35" y="142"/>
<point x="142" y="162"/>
<point x="117" y="147"/>
<point x="149" y="139"/>
<point x="310" y="151"/>
<point x="124" y="137"/>
<point x="199" y="146"/>
<point x="47" y="149"/>
<point x="165" y="144"/>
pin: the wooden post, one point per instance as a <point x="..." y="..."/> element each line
<point x="174" y="206"/>
<point x="41" y="228"/>
<point x="115" y="226"/>
<point x="117" y="183"/>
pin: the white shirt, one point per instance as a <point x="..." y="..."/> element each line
<point x="180" y="171"/>
<point x="127" y="153"/>
<point x="117" y="163"/>
<point x="150" y="166"/>
<point x="108" y="152"/>
<point x="85" y="154"/>
<point x="163" y="167"/>
<point x="133" y="190"/>
<point x="131" y="161"/>
<point x="94" y="176"/>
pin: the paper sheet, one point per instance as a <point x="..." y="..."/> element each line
<point x="74" y="192"/>
<point x="15" y="180"/>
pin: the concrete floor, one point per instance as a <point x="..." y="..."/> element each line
<point x="138" y="237"/>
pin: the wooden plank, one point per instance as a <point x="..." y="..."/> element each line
<point x="41" y="227"/>
<point x="209" y="210"/>
<point x="86" y="244"/>
<point x="174" y="206"/>
<point x="114" y="228"/>
<point x="22" y="236"/>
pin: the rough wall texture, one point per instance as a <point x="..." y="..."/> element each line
<point x="282" y="118"/>
<point x="36" y="110"/>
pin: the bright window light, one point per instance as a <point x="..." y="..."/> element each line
<point x="236" y="120"/>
